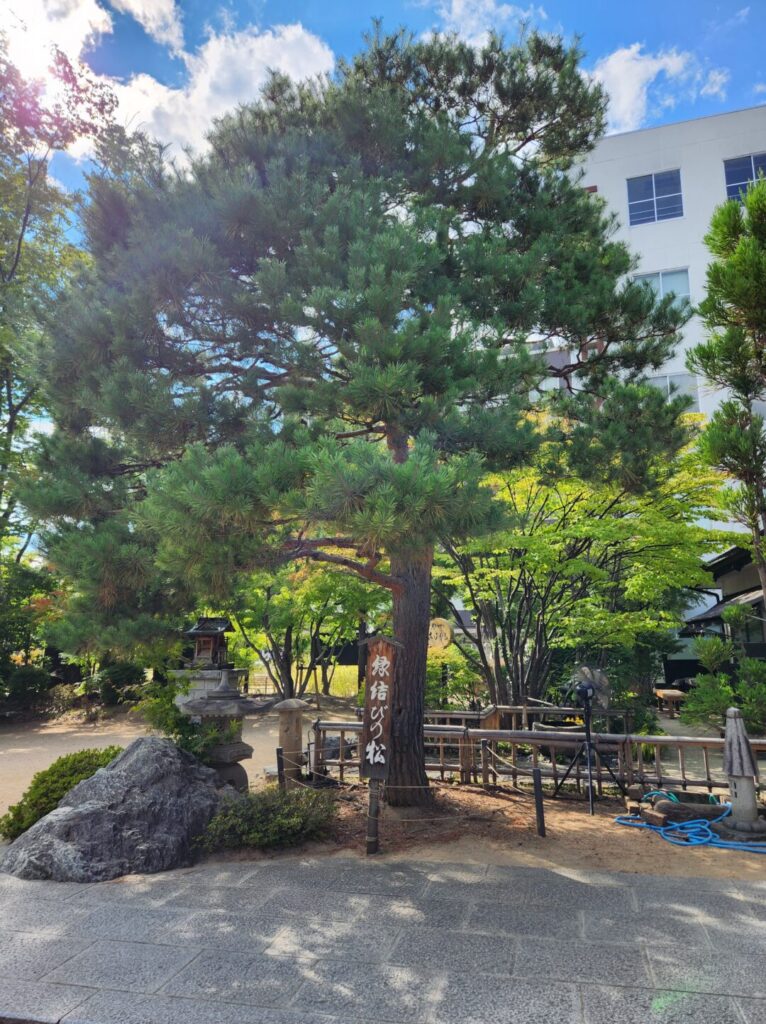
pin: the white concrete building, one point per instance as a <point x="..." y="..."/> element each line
<point x="663" y="184"/>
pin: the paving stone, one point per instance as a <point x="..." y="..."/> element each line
<point x="581" y="961"/>
<point x="134" y="966"/>
<point x="38" y="1001"/>
<point x="12" y="886"/>
<point x="393" y="880"/>
<point x="128" y="1008"/>
<point x="413" y="911"/>
<point x="577" y="895"/>
<point x="438" y="871"/>
<point x="734" y="936"/>
<point x="533" y="879"/>
<point x="753" y="1010"/>
<point x="662" y="926"/>
<point x="509" y="918"/>
<point x="660" y="884"/>
<point x="370" y="990"/>
<point x="694" y="970"/>
<point x="313" y="904"/>
<point x="637" y="1006"/>
<point x="212" y="873"/>
<point x="239" y="978"/>
<point x="439" y="947"/>
<point x="23" y="955"/>
<point x="41" y="916"/>
<point x="479" y="888"/>
<point x="148" y="890"/>
<point x="395" y="909"/>
<point x="702" y="907"/>
<point x="129" y="923"/>
<point x="337" y="940"/>
<point x="239" y="899"/>
<point x="477" y="999"/>
<point x="245" y="933"/>
<point x="304" y="872"/>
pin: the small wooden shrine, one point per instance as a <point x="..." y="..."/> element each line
<point x="210" y="644"/>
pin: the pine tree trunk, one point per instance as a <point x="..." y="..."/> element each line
<point x="411" y="613"/>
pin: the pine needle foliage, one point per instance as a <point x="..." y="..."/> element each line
<point x="316" y="342"/>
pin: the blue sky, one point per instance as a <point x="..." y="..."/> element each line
<point x="176" y="63"/>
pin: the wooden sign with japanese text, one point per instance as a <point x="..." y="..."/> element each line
<point x="376" y="724"/>
<point x="439" y="634"/>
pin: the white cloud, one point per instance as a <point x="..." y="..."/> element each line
<point x="641" y="84"/>
<point x="161" y="19"/>
<point x="228" y="69"/>
<point x="715" y="83"/>
<point x="473" y="20"/>
<point x="628" y="74"/>
<point x="759" y="88"/>
<point x="34" y="26"/>
<point x="738" y="18"/>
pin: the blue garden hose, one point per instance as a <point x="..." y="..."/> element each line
<point x="690" y="833"/>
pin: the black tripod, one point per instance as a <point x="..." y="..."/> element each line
<point x="584" y="693"/>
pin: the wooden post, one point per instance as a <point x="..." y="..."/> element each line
<point x="465" y="758"/>
<point x="373" y="814"/>
<point x="281" y="767"/>
<point x="537" y="782"/>
<point x="318" y="749"/>
<point x="485" y="763"/>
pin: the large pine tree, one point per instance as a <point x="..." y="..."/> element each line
<point x="314" y="342"/>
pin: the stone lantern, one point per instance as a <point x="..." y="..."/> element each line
<point x="225" y="708"/>
<point x="739" y="765"/>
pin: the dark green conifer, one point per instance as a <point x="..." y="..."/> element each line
<point x="316" y="342"/>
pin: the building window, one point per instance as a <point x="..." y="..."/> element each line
<point x="655" y="197"/>
<point x="741" y="172"/>
<point x="678" y="384"/>
<point x="666" y="281"/>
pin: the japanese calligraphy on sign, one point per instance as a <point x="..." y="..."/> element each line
<point x="439" y="634"/>
<point x="376" y="725"/>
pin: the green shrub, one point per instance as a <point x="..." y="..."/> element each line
<point x="64" y="697"/>
<point x="27" y="684"/>
<point x="269" y="818"/>
<point x="118" y="681"/>
<point x="731" y="679"/>
<point x="49" y="786"/>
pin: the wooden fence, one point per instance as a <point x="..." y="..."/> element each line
<point x="492" y="756"/>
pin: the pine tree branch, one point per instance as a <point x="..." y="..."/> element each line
<point x="366" y="571"/>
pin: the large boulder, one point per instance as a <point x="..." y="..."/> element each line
<point x="140" y="813"/>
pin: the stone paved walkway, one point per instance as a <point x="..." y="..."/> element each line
<point x="344" y="940"/>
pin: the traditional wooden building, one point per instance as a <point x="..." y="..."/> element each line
<point x="210" y="644"/>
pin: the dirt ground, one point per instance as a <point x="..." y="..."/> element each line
<point x="467" y="825"/>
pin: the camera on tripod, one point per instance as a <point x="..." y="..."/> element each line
<point x="584" y="693"/>
<point x="588" y="687"/>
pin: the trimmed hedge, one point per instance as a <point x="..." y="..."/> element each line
<point x="48" y="787"/>
<point x="271" y="817"/>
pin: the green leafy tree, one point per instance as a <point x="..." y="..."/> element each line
<point x="730" y="679"/>
<point x="734" y="358"/>
<point x="26" y="593"/>
<point x="585" y="568"/>
<point x="315" y="344"/>
<point x="294" y="619"/>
